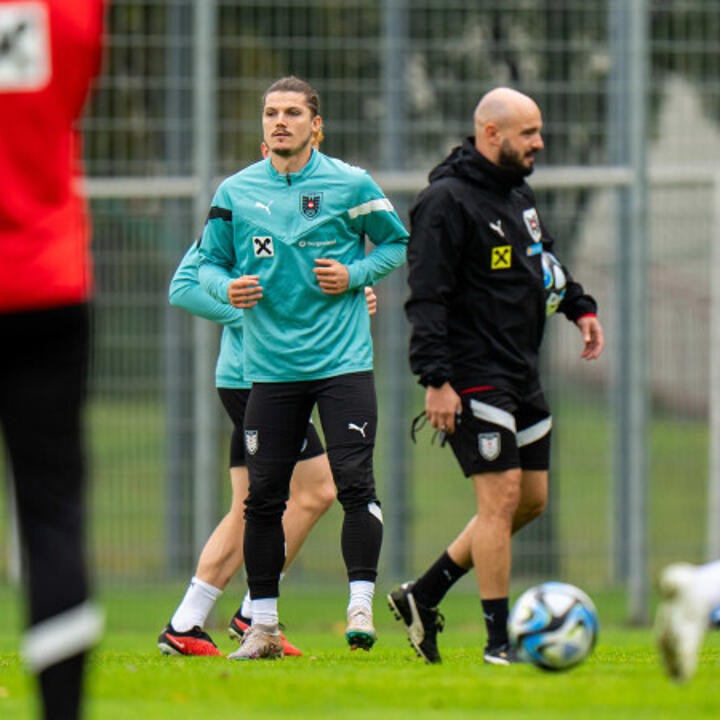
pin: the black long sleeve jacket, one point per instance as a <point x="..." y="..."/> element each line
<point x="477" y="299"/>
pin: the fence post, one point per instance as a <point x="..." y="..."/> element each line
<point x="713" y="503"/>
<point x="206" y="465"/>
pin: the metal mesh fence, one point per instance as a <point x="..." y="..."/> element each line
<point x="140" y="126"/>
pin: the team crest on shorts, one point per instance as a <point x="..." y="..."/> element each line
<point x="251" y="441"/>
<point x="489" y="445"/>
<point x="310" y="204"/>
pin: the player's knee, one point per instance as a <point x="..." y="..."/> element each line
<point x="324" y="496"/>
<point x="264" y="506"/>
<point x="502" y="502"/>
<point x="534" y="508"/>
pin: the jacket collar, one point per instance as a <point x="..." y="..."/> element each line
<point x="292" y="178"/>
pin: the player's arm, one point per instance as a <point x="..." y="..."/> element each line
<point x="372" y="215"/>
<point x="579" y="307"/>
<point x="434" y="251"/>
<point x="185" y="292"/>
<point x="217" y="258"/>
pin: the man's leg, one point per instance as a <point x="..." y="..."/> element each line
<point x="348" y="411"/>
<point x="42" y="392"/>
<point x="220" y="559"/>
<point x="415" y="602"/>
<point x="222" y="555"/>
<point x="275" y="425"/>
<point x="312" y="493"/>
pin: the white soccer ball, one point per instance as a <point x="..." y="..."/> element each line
<point x="555" y="282"/>
<point x="553" y="626"/>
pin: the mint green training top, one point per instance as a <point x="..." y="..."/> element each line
<point x="275" y="226"/>
<point x="185" y="292"/>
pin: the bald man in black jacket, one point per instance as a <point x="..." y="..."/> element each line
<point x="477" y="308"/>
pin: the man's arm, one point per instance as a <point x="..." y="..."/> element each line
<point x="434" y="251"/>
<point x="373" y="216"/>
<point x="185" y="292"/>
<point x="217" y="252"/>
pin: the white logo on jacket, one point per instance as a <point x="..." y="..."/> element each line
<point x="532" y="223"/>
<point x="25" y="58"/>
<point x="264" y="207"/>
<point x="497" y="227"/>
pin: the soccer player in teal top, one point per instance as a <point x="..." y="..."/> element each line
<point x="296" y="225"/>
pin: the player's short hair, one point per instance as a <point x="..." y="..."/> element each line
<point x="295" y="84"/>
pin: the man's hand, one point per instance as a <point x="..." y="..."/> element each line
<point x="332" y="276"/>
<point x="441" y="405"/>
<point x="245" y="291"/>
<point x="592" y="335"/>
<point x="371" y="300"/>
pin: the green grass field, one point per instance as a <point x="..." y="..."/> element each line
<point x="130" y="679"/>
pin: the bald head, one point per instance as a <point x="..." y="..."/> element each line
<point x="502" y="106"/>
<point x="507" y="129"/>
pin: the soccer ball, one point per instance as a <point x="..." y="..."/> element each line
<point x="555" y="282"/>
<point x="553" y="626"/>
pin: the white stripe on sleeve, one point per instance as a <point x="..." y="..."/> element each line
<point x="370" y="206"/>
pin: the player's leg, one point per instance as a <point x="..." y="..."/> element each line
<point x="687" y="593"/>
<point x="42" y="393"/>
<point x="312" y="492"/>
<point x="415" y="603"/>
<point x="275" y="424"/>
<point x="348" y="411"/>
<point x="222" y="554"/>
<point x="508" y="498"/>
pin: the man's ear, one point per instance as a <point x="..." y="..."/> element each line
<point x="492" y="134"/>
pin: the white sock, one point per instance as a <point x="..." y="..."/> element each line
<point x="361" y="594"/>
<point x="195" y="606"/>
<point x="246" y="608"/>
<point x="264" y="611"/>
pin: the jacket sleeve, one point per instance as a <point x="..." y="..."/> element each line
<point x="217" y="252"/>
<point x="576" y="302"/>
<point x="185" y="292"/>
<point x="435" y="249"/>
<point x="373" y="216"/>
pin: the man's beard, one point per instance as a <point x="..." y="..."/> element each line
<point x="512" y="160"/>
<point x="289" y="152"/>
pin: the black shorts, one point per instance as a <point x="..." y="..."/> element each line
<point x="235" y="401"/>
<point x="500" y="430"/>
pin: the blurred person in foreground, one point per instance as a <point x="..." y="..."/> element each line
<point x="477" y="307"/>
<point x="689" y="600"/>
<point x="312" y="490"/>
<point x="296" y="225"/>
<point x="49" y="54"/>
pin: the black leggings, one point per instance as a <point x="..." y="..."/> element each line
<point x="43" y="369"/>
<point x="275" y="425"/>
